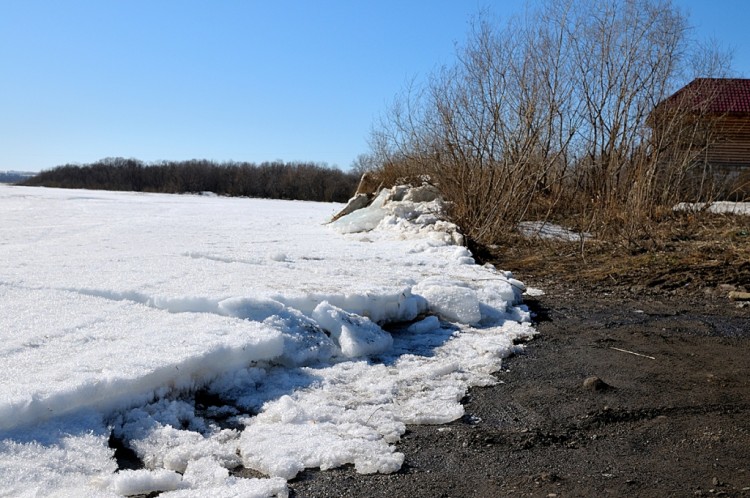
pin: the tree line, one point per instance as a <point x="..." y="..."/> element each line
<point x="271" y="180"/>
<point x="13" y="176"/>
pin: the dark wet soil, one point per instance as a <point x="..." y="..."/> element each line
<point x="668" y="416"/>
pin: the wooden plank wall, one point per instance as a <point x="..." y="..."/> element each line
<point x="731" y="145"/>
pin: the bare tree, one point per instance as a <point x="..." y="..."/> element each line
<point x="548" y="116"/>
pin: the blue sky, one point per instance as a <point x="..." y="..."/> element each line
<point x="230" y="79"/>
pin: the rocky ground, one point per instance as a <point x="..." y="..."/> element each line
<point x="638" y="384"/>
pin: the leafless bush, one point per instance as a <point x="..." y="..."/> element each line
<point x="547" y="117"/>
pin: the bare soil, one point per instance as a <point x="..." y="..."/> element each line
<point x="667" y="415"/>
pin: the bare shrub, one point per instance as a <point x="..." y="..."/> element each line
<point x="548" y="117"/>
<point x="738" y="188"/>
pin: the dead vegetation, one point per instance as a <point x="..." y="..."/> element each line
<point x="550" y="117"/>
<point x="688" y="253"/>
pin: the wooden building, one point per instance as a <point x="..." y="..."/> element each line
<point x="720" y="109"/>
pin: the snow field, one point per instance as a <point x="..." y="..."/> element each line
<point x="118" y="306"/>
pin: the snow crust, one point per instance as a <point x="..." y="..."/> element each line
<point x="550" y="231"/>
<point x="726" y="207"/>
<point x="310" y="344"/>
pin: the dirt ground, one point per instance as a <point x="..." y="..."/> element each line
<point x="673" y="419"/>
<point x="667" y="415"/>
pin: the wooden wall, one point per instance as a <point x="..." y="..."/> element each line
<point x="730" y="146"/>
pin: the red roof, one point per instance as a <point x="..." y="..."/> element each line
<point x="715" y="95"/>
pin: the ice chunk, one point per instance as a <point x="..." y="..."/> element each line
<point x="285" y="440"/>
<point x="406" y="212"/>
<point x="142" y="481"/>
<point x="425" y="193"/>
<point x="359" y="201"/>
<point x="463" y="256"/>
<point x="207" y="477"/>
<point x="167" y="434"/>
<point x="452" y="300"/>
<point x="205" y="472"/>
<point x="356" y="335"/>
<point x="235" y="487"/>
<point x="423" y="326"/>
<point x="364" y="219"/>
<point x="61" y="457"/>
<point x="304" y="340"/>
<point x="379" y="305"/>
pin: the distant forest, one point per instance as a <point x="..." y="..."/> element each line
<point x="272" y="180"/>
<point x="13" y="176"/>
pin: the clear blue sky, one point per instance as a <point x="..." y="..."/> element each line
<point x="250" y="80"/>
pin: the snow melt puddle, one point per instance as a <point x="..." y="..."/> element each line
<point x="206" y="334"/>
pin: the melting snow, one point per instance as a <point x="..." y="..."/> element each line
<point x="546" y="230"/>
<point x="716" y="207"/>
<point x="309" y="344"/>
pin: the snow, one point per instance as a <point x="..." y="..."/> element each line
<point x="313" y="344"/>
<point x="716" y="207"/>
<point x="451" y="300"/>
<point x="533" y="292"/>
<point x="550" y="231"/>
<point x="354" y="335"/>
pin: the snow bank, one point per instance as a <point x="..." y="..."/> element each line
<point x="405" y="209"/>
<point x="118" y="307"/>
<point x="64" y="356"/>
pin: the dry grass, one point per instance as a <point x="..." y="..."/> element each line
<point x="664" y="251"/>
<point x="688" y="253"/>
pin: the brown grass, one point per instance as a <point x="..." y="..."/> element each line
<point x="688" y="253"/>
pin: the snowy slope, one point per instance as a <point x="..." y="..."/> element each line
<point x="118" y="306"/>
